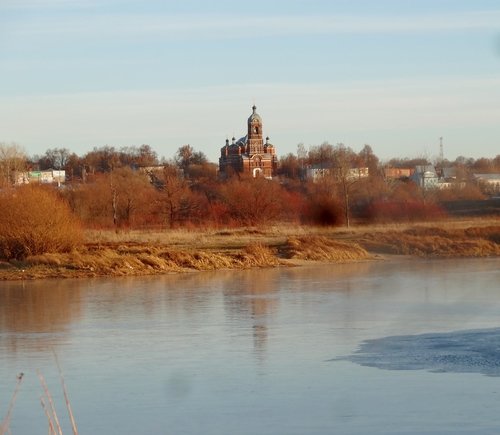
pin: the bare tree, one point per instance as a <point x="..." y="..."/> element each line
<point x="122" y="197"/>
<point x="289" y="166"/>
<point x="253" y="201"/>
<point x="174" y="195"/>
<point x="339" y="165"/>
<point x="103" y="159"/>
<point x="147" y="156"/>
<point x="345" y="175"/>
<point x="186" y="156"/>
<point x="322" y="155"/>
<point x="301" y="157"/>
<point x="12" y="160"/>
<point x="368" y="159"/>
<point x="54" y="158"/>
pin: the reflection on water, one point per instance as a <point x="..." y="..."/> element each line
<point x="254" y="297"/>
<point x="248" y="351"/>
<point x="37" y="311"/>
<point x="39" y="306"/>
<point x="475" y="351"/>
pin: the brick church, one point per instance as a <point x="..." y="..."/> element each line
<point x="249" y="155"/>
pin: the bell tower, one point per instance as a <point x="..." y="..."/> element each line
<point x="255" y="141"/>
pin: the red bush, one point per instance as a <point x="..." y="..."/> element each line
<point x="402" y="211"/>
<point x="322" y="210"/>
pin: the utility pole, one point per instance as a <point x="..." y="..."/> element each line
<point x="441" y="153"/>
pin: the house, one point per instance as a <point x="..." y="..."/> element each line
<point x="425" y="176"/>
<point x="318" y="171"/>
<point x="48" y="176"/>
<point x="449" y="179"/>
<point x="490" y="182"/>
<point x="356" y="173"/>
<point x="398" y="173"/>
<point x="250" y="154"/>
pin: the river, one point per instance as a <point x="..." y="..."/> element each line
<point x="404" y="346"/>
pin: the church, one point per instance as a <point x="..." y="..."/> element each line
<point x="249" y="155"/>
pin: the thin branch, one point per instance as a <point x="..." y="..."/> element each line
<point x="4" y="427"/>
<point x="68" y="404"/>
<point x="49" y="418"/>
<point x="51" y="402"/>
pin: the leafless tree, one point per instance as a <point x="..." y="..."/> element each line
<point x="54" y="158"/>
<point x="12" y="160"/>
<point x="345" y="175"/>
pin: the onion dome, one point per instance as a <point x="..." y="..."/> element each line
<point x="254" y="116"/>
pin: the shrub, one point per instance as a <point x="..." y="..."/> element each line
<point x="34" y="220"/>
<point x="402" y="211"/>
<point x="322" y="210"/>
<point x="252" y="201"/>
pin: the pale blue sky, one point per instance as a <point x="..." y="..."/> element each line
<point x="393" y="74"/>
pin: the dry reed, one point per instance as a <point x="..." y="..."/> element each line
<point x="47" y="403"/>
<point x="437" y="241"/>
<point x="4" y="425"/>
<point x="51" y="412"/>
<point x="318" y="248"/>
<point x="132" y="253"/>
<point x="66" y="399"/>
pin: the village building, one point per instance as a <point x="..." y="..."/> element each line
<point x="429" y="177"/>
<point x="490" y="183"/>
<point x="425" y="177"/>
<point x="391" y="173"/>
<point x="318" y="171"/>
<point x="250" y="154"/>
<point x="47" y="176"/>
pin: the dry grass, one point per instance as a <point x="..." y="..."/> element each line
<point x="147" y="253"/>
<point x="145" y="260"/>
<point x="236" y="238"/>
<point x="320" y="248"/>
<point x="428" y="241"/>
<point x="258" y="255"/>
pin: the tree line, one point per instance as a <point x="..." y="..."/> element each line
<point x="131" y="187"/>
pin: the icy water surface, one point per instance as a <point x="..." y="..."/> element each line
<point x="475" y="351"/>
<point x="406" y="347"/>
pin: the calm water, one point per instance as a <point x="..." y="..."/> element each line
<point x="394" y="347"/>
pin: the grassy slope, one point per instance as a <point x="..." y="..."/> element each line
<point x="107" y="253"/>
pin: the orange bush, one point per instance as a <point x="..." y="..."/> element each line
<point x="34" y="220"/>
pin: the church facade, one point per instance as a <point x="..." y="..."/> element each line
<point x="250" y="154"/>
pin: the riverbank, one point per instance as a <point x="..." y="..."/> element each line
<point x="109" y="253"/>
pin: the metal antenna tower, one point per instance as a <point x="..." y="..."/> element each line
<point x="441" y="152"/>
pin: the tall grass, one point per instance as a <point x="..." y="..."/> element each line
<point x="320" y="248"/>
<point x="47" y="403"/>
<point x="4" y="426"/>
<point x="429" y="241"/>
<point x="108" y="253"/>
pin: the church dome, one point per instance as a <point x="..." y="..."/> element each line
<point x="254" y="116"/>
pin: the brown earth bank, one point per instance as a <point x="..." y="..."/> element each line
<point x="109" y="253"/>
